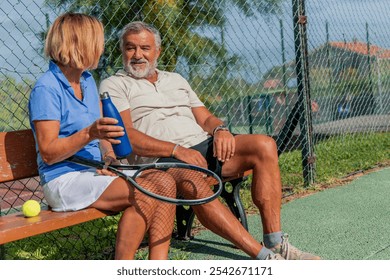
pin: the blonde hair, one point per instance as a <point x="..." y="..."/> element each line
<point x="75" y="40"/>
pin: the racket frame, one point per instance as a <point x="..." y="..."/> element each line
<point x="158" y="166"/>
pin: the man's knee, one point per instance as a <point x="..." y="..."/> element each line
<point x="264" y="146"/>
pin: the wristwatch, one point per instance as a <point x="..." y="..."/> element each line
<point x="220" y="127"/>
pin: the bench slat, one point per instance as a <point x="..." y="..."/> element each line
<point x="15" y="226"/>
<point x="240" y="175"/>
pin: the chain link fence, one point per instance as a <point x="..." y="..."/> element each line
<point x="314" y="75"/>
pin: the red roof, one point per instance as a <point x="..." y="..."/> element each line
<point x="361" y="48"/>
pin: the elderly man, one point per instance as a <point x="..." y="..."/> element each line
<point x="165" y="120"/>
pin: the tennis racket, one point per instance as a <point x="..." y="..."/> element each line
<point x="195" y="185"/>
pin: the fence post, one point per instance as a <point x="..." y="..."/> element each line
<point x="304" y="101"/>
<point x="2" y="252"/>
<point x="250" y="118"/>
<point x="370" y="90"/>
<point x="284" y="71"/>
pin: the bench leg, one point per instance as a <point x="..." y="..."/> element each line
<point x="184" y="219"/>
<point x="185" y="215"/>
<point x="2" y="252"/>
<point x="234" y="202"/>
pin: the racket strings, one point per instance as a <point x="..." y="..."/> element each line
<point x="192" y="184"/>
<point x="158" y="182"/>
<point x="157" y="214"/>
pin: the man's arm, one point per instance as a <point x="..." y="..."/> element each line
<point x="147" y="146"/>
<point x="224" y="142"/>
<point x="206" y="119"/>
<point x="143" y="144"/>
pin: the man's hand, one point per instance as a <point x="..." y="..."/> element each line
<point x="224" y="145"/>
<point x="108" y="160"/>
<point x="190" y="156"/>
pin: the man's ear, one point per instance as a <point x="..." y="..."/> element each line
<point x="158" y="52"/>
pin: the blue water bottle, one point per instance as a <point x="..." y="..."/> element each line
<point x="109" y="110"/>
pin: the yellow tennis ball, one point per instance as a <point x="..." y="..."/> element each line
<point x="31" y="208"/>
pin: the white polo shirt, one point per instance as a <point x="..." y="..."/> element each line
<point x="161" y="110"/>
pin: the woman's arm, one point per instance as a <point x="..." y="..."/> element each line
<point x="54" y="149"/>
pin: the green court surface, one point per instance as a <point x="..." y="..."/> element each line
<point x="349" y="222"/>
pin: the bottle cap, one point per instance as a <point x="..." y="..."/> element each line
<point x="104" y="95"/>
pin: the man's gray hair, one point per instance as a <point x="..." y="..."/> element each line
<point x="137" y="27"/>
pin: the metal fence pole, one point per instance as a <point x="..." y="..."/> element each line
<point x="302" y="71"/>
<point x="284" y="71"/>
<point x="370" y="90"/>
<point x="250" y="118"/>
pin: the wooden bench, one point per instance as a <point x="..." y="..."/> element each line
<point x="18" y="162"/>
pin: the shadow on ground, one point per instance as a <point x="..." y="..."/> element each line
<point x="349" y="222"/>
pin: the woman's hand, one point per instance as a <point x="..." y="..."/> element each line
<point x="106" y="128"/>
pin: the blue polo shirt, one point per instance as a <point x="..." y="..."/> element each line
<point x="53" y="98"/>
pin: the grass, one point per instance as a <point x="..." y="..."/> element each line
<point x="336" y="158"/>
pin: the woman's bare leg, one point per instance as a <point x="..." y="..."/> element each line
<point x="161" y="227"/>
<point x="137" y="214"/>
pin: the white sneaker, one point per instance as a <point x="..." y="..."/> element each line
<point x="275" y="257"/>
<point x="289" y="252"/>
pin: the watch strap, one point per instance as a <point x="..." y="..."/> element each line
<point x="220" y="127"/>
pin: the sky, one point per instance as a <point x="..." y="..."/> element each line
<point x="20" y="21"/>
<point x="346" y="19"/>
<point x="256" y="40"/>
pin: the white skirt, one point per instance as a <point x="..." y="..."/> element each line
<point x="76" y="190"/>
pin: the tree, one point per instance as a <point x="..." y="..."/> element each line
<point x="178" y="21"/>
<point x="14" y="98"/>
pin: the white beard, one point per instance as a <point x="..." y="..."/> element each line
<point x="141" y="73"/>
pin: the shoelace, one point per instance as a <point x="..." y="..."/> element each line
<point x="285" y="247"/>
<point x="271" y="257"/>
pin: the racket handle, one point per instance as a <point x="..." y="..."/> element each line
<point x="109" y="110"/>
